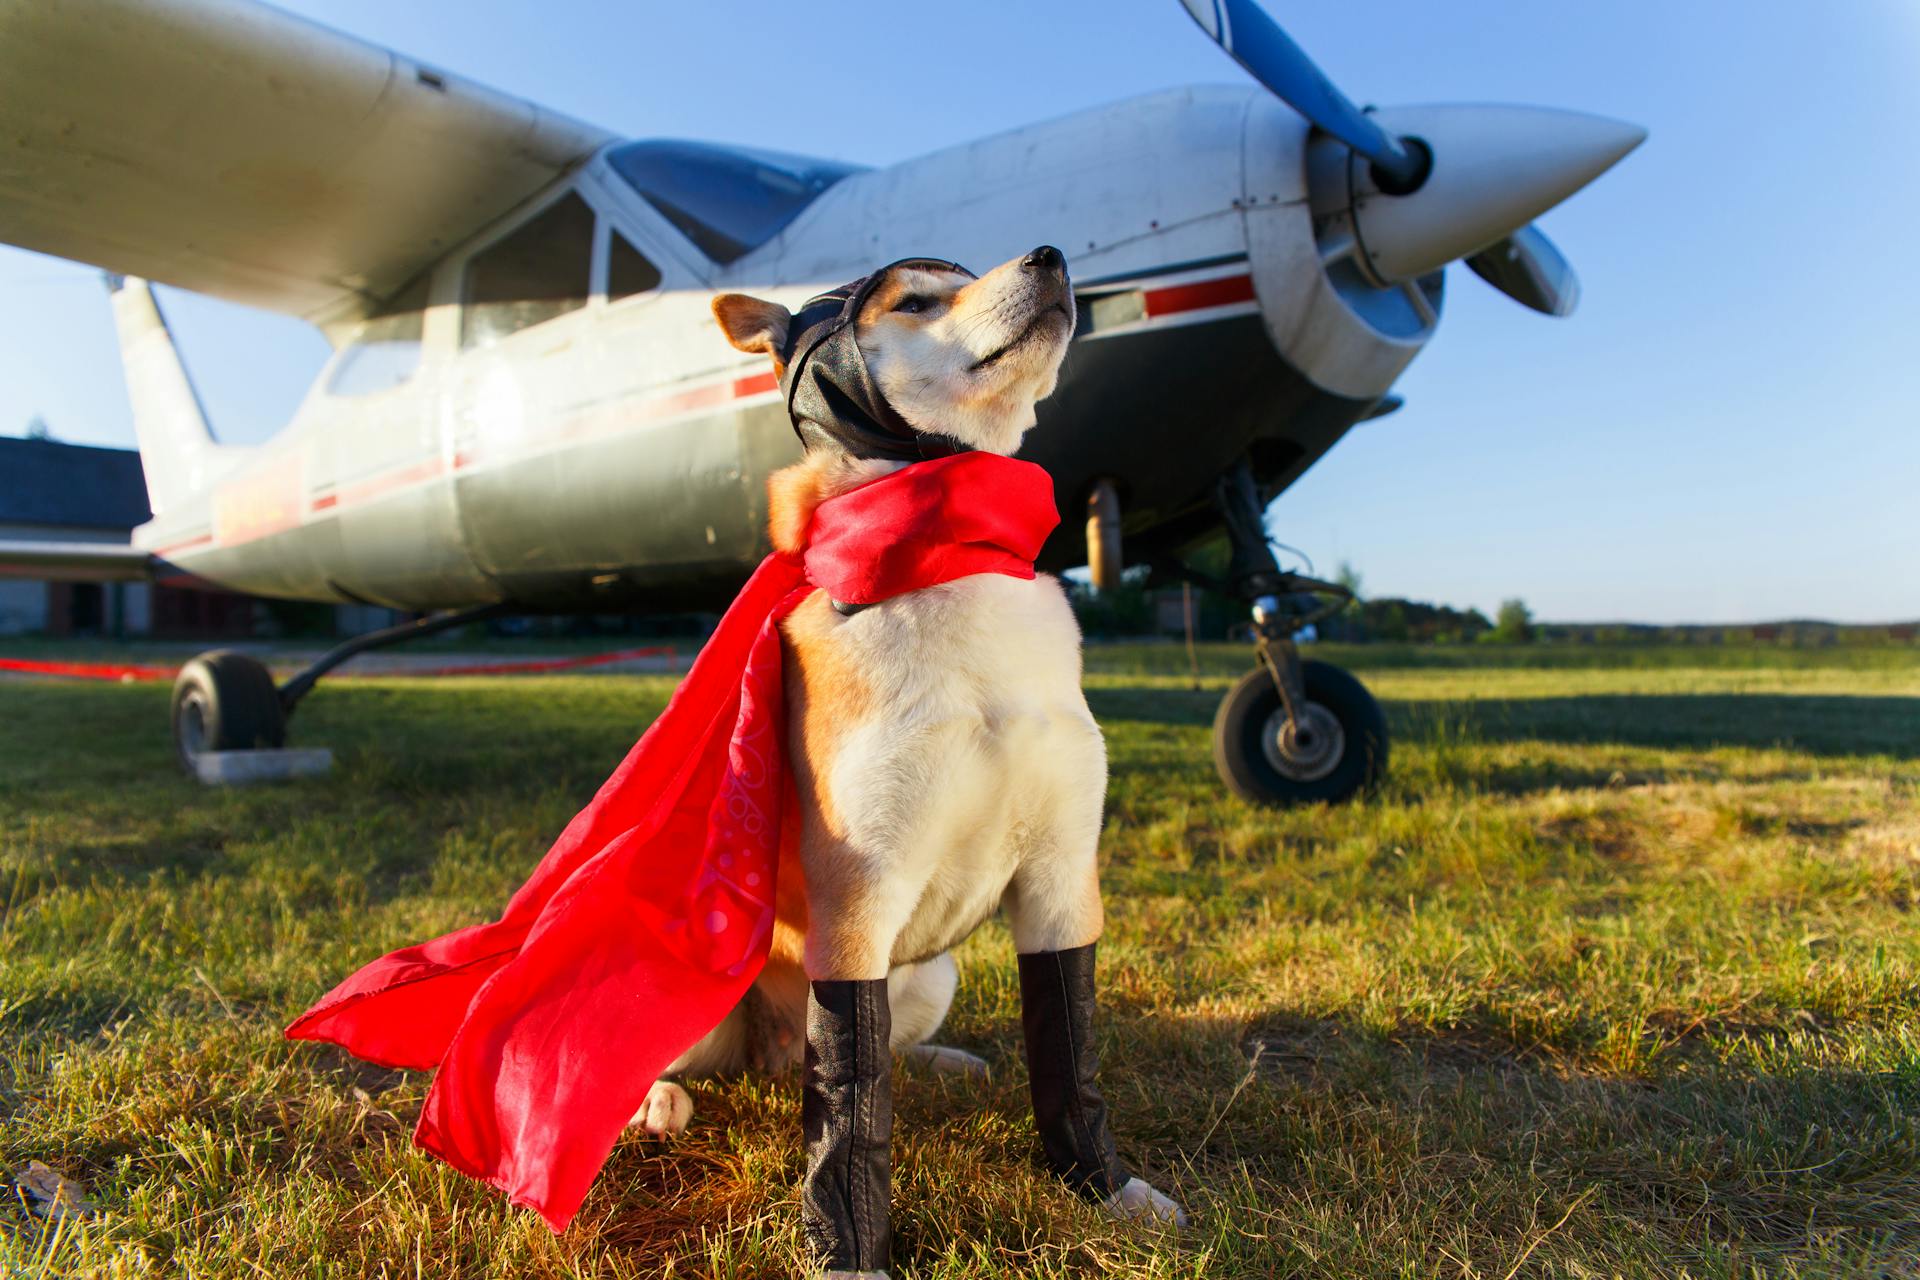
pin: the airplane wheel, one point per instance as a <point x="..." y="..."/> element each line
<point x="225" y="701"/>
<point x="1340" y="751"/>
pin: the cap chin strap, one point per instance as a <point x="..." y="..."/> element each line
<point x="832" y="398"/>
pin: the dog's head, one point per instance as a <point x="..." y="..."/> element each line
<point x="919" y="348"/>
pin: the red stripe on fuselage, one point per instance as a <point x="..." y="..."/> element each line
<point x="412" y="473"/>
<point x="1198" y="296"/>
<point x="755" y="385"/>
<point x="199" y="541"/>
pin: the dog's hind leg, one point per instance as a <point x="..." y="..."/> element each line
<point x="761" y="1033"/>
<point x="920" y="995"/>
<point x="666" y="1112"/>
<point x="668" y="1109"/>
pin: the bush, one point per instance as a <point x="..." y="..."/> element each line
<point x="1127" y="610"/>
<point x="1512" y="625"/>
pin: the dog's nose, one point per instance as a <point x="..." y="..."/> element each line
<point x="1045" y="258"/>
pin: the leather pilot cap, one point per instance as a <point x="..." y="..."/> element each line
<point x="831" y="396"/>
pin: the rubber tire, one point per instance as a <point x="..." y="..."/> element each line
<point x="238" y="705"/>
<point x="1244" y="712"/>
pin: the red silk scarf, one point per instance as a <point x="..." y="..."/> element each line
<point x="652" y="913"/>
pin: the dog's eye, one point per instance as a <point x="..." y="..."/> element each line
<point x="913" y="304"/>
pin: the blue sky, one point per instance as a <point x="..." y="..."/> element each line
<point x="1725" y="431"/>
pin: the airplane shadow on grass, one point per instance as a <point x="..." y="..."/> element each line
<point x="1813" y="724"/>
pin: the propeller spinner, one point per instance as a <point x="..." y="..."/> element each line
<point x="1439" y="183"/>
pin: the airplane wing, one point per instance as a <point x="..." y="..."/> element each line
<point x="76" y="562"/>
<point x="235" y="150"/>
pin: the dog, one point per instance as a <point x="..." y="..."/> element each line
<point x="946" y="763"/>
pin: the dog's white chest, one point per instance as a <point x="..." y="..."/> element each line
<point x="977" y="732"/>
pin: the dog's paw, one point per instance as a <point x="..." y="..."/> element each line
<point x="853" y="1275"/>
<point x="1139" y="1200"/>
<point x="665" y="1112"/>
<point x="942" y="1060"/>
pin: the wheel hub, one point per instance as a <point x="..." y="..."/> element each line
<point x="1305" y="751"/>
<point x="193" y="724"/>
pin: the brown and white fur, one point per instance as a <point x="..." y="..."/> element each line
<point x="944" y="754"/>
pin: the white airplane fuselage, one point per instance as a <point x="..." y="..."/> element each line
<point x="615" y="455"/>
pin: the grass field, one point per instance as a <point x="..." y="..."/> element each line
<point x="1619" y="975"/>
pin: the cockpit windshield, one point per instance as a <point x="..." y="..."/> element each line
<point x="727" y="200"/>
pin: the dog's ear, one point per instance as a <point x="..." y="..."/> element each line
<point x="752" y="324"/>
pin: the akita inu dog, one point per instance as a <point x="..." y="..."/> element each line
<point x="945" y="759"/>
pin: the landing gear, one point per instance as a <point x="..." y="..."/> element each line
<point x="1333" y="747"/>
<point x="1103" y="536"/>
<point x="226" y="701"/>
<point x="1290" y="731"/>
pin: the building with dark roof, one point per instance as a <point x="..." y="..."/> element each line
<point x="49" y="485"/>
<point x="54" y="492"/>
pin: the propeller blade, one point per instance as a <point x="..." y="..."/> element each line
<point x="1529" y="269"/>
<point x="1256" y="42"/>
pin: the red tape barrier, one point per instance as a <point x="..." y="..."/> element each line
<point x="133" y="672"/>
<point x="89" y="670"/>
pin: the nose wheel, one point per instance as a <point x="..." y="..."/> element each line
<point x="1331" y="748"/>
<point x="1293" y="730"/>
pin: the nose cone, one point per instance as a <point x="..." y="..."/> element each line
<point x="1495" y="169"/>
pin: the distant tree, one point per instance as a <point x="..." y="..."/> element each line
<point x="1347" y="622"/>
<point x="1473" y="625"/>
<point x="37" y="428"/>
<point x="1349" y="577"/>
<point x="1391" y="619"/>
<point x="1388" y="621"/>
<point x="1513" y="624"/>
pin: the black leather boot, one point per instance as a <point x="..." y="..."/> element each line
<point x="1056" y="1015"/>
<point x="846" y="1110"/>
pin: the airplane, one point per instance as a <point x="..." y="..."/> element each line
<point x="529" y="408"/>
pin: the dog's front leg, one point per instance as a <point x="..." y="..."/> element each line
<point x="1056" y="1020"/>
<point x="846" y="1101"/>
<point x="846" y="1110"/>
<point x="1056" y="919"/>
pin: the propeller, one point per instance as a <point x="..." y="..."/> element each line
<point x="1506" y="165"/>
<point x="1257" y="43"/>
<point x="1529" y="269"/>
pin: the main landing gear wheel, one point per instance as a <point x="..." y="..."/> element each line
<point x="1334" y="749"/>
<point x="225" y="701"/>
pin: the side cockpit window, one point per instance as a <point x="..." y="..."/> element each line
<point x="536" y="273"/>
<point x="386" y="351"/>
<point x="628" y="270"/>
